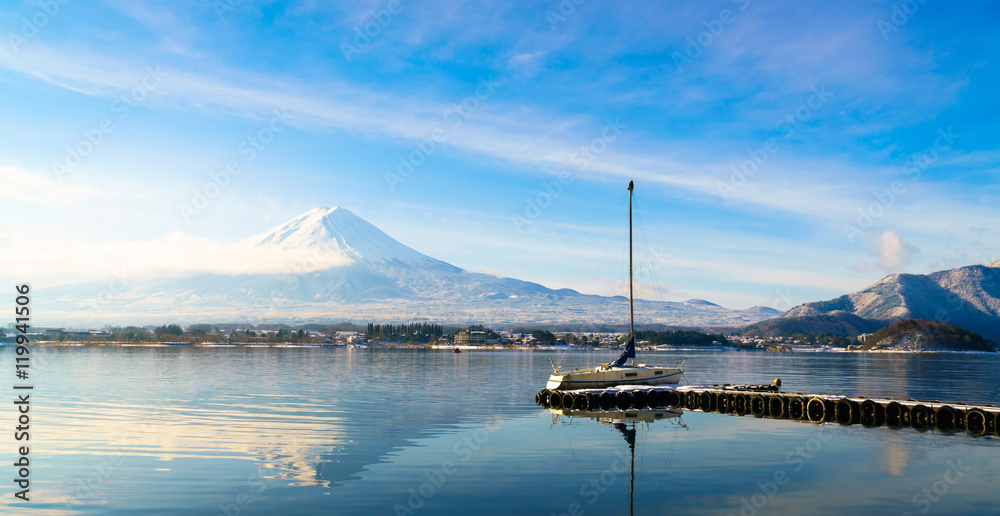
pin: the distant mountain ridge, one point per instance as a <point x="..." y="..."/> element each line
<point x="837" y="322"/>
<point x="374" y="278"/>
<point x="968" y="297"/>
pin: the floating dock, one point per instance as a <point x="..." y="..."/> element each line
<point x="769" y="401"/>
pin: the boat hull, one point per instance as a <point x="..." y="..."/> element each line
<point x="599" y="379"/>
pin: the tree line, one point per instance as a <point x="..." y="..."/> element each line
<point x="681" y="338"/>
<point x="414" y="332"/>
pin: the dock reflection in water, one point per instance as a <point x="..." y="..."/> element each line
<point x="768" y="401"/>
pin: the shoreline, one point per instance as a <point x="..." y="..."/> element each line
<point x="400" y="345"/>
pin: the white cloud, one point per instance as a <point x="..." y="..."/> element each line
<point x="21" y="185"/>
<point x="893" y="252"/>
<point x="177" y="254"/>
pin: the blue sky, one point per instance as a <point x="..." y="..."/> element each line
<point x="783" y="152"/>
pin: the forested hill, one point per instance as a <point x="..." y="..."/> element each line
<point x="921" y="335"/>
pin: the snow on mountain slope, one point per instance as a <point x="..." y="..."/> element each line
<point x="699" y="302"/>
<point x="338" y="229"/>
<point x="966" y="296"/>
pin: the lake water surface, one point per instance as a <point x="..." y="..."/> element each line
<point x="241" y="431"/>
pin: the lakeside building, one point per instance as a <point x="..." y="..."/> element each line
<point x="470" y="338"/>
<point x="349" y="337"/>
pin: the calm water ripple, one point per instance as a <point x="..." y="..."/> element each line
<point x="237" y="431"/>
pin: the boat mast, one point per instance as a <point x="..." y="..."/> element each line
<point x="631" y="302"/>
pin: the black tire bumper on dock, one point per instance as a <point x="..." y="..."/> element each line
<point x="766" y="401"/>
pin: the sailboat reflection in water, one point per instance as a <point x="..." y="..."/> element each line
<point x="625" y="422"/>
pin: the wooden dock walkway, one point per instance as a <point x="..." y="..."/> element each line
<point x="770" y="401"/>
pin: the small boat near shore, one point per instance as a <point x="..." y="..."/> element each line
<point x="618" y="372"/>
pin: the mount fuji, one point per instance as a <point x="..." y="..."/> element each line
<point x="340" y="230"/>
<point x="349" y="270"/>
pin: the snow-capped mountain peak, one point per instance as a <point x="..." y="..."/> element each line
<point x="339" y="230"/>
<point x="699" y="302"/>
<point x="965" y="296"/>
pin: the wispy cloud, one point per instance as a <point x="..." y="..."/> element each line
<point x="686" y="131"/>
<point x="546" y="142"/>
<point x="177" y="254"/>
<point x="23" y="186"/>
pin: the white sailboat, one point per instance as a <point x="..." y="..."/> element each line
<point x="617" y="372"/>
